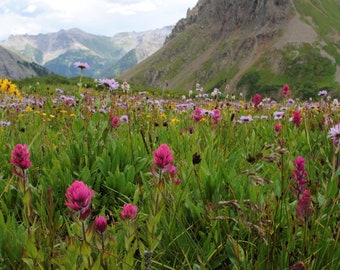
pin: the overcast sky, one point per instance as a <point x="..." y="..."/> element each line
<point x="100" y="17"/>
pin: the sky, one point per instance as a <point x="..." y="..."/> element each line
<point x="99" y="17"/>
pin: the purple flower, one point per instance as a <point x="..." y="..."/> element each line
<point x="111" y="84"/>
<point x="322" y="93"/>
<point x="334" y="134"/>
<point x="81" y="65"/>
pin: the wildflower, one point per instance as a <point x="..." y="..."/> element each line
<point x="5" y="123"/>
<point x="79" y="197"/>
<point x="198" y="115"/>
<point x="129" y="211"/>
<point x="81" y="65"/>
<point x="278" y="115"/>
<point x="125" y="86"/>
<point x="296" y="119"/>
<point x="304" y="207"/>
<point x="257" y="100"/>
<point x="124" y="118"/>
<point x="115" y="121"/>
<point x="322" y="93"/>
<point x="162" y="156"/>
<point x="216" y="116"/>
<point x="111" y="84"/>
<point x="299" y="174"/>
<point x="285" y="90"/>
<point x="298" y="266"/>
<point x="171" y="169"/>
<point x="245" y="119"/>
<point x="277" y="127"/>
<point x="334" y="134"/>
<point x="100" y="224"/>
<point x="20" y="157"/>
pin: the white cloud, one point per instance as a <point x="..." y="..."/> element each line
<point x="102" y="17"/>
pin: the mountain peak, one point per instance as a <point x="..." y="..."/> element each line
<point x="221" y="41"/>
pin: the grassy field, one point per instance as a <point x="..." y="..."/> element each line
<point x="195" y="182"/>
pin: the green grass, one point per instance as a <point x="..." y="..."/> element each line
<point x="235" y="206"/>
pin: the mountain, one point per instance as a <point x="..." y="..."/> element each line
<point x="14" y="67"/>
<point x="58" y="51"/>
<point x="249" y="45"/>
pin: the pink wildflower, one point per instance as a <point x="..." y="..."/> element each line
<point x="162" y="156"/>
<point x="171" y="169"/>
<point x="277" y="127"/>
<point x="285" y="91"/>
<point x="216" y="116"/>
<point x="115" y="121"/>
<point x="296" y="119"/>
<point x="129" y="211"/>
<point x="100" y="224"/>
<point x="79" y="197"/>
<point x="304" y="208"/>
<point x="299" y="174"/>
<point x="20" y="157"/>
<point x="197" y="114"/>
<point x="257" y="100"/>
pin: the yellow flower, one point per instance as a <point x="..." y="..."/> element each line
<point x="174" y="120"/>
<point x="28" y="109"/>
<point x="52" y="116"/>
<point x="63" y="111"/>
<point x="72" y="114"/>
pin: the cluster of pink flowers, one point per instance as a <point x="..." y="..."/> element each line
<point x="304" y="207"/>
<point x="257" y="100"/>
<point x="20" y="158"/>
<point x="79" y="197"/>
<point x="115" y="121"/>
<point x="199" y="113"/>
<point x="162" y="159"/>
<point x="285" y="91"/>
<point x="129" y="211"/>
<point x="296" y="119"/>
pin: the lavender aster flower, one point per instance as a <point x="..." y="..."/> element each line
<point x="112" y="84"/>
<point x="81" y="65"/>
<point x="334" y="134"/>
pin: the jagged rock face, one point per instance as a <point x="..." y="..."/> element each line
<point x="13" y="67"/>
<point x="232" y="15"/>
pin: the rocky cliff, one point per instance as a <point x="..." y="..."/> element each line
<point x="14" y="67"/>
<point x="219" y="41"/>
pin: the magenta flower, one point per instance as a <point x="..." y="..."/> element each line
<point x="171" y="169"/>
<point x="20" y="157"/>
<point x="162" y="156"/>
<point x="100" y="224"/>
<point x="81" y="65"/>
<point x="115" y="121"/>
<point x="216" y="116"/>
<point x="304" y="207"/>
<point x="257" y="100"/>
<point x="296" y="119"/>
<point x="277" y="127"/>
<point x="79" y="197"/>
<point x="299" y="174"/>
<point x="285" y="91"/>
<point x="129" y="211"/>
<point x="197" y="114"/>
